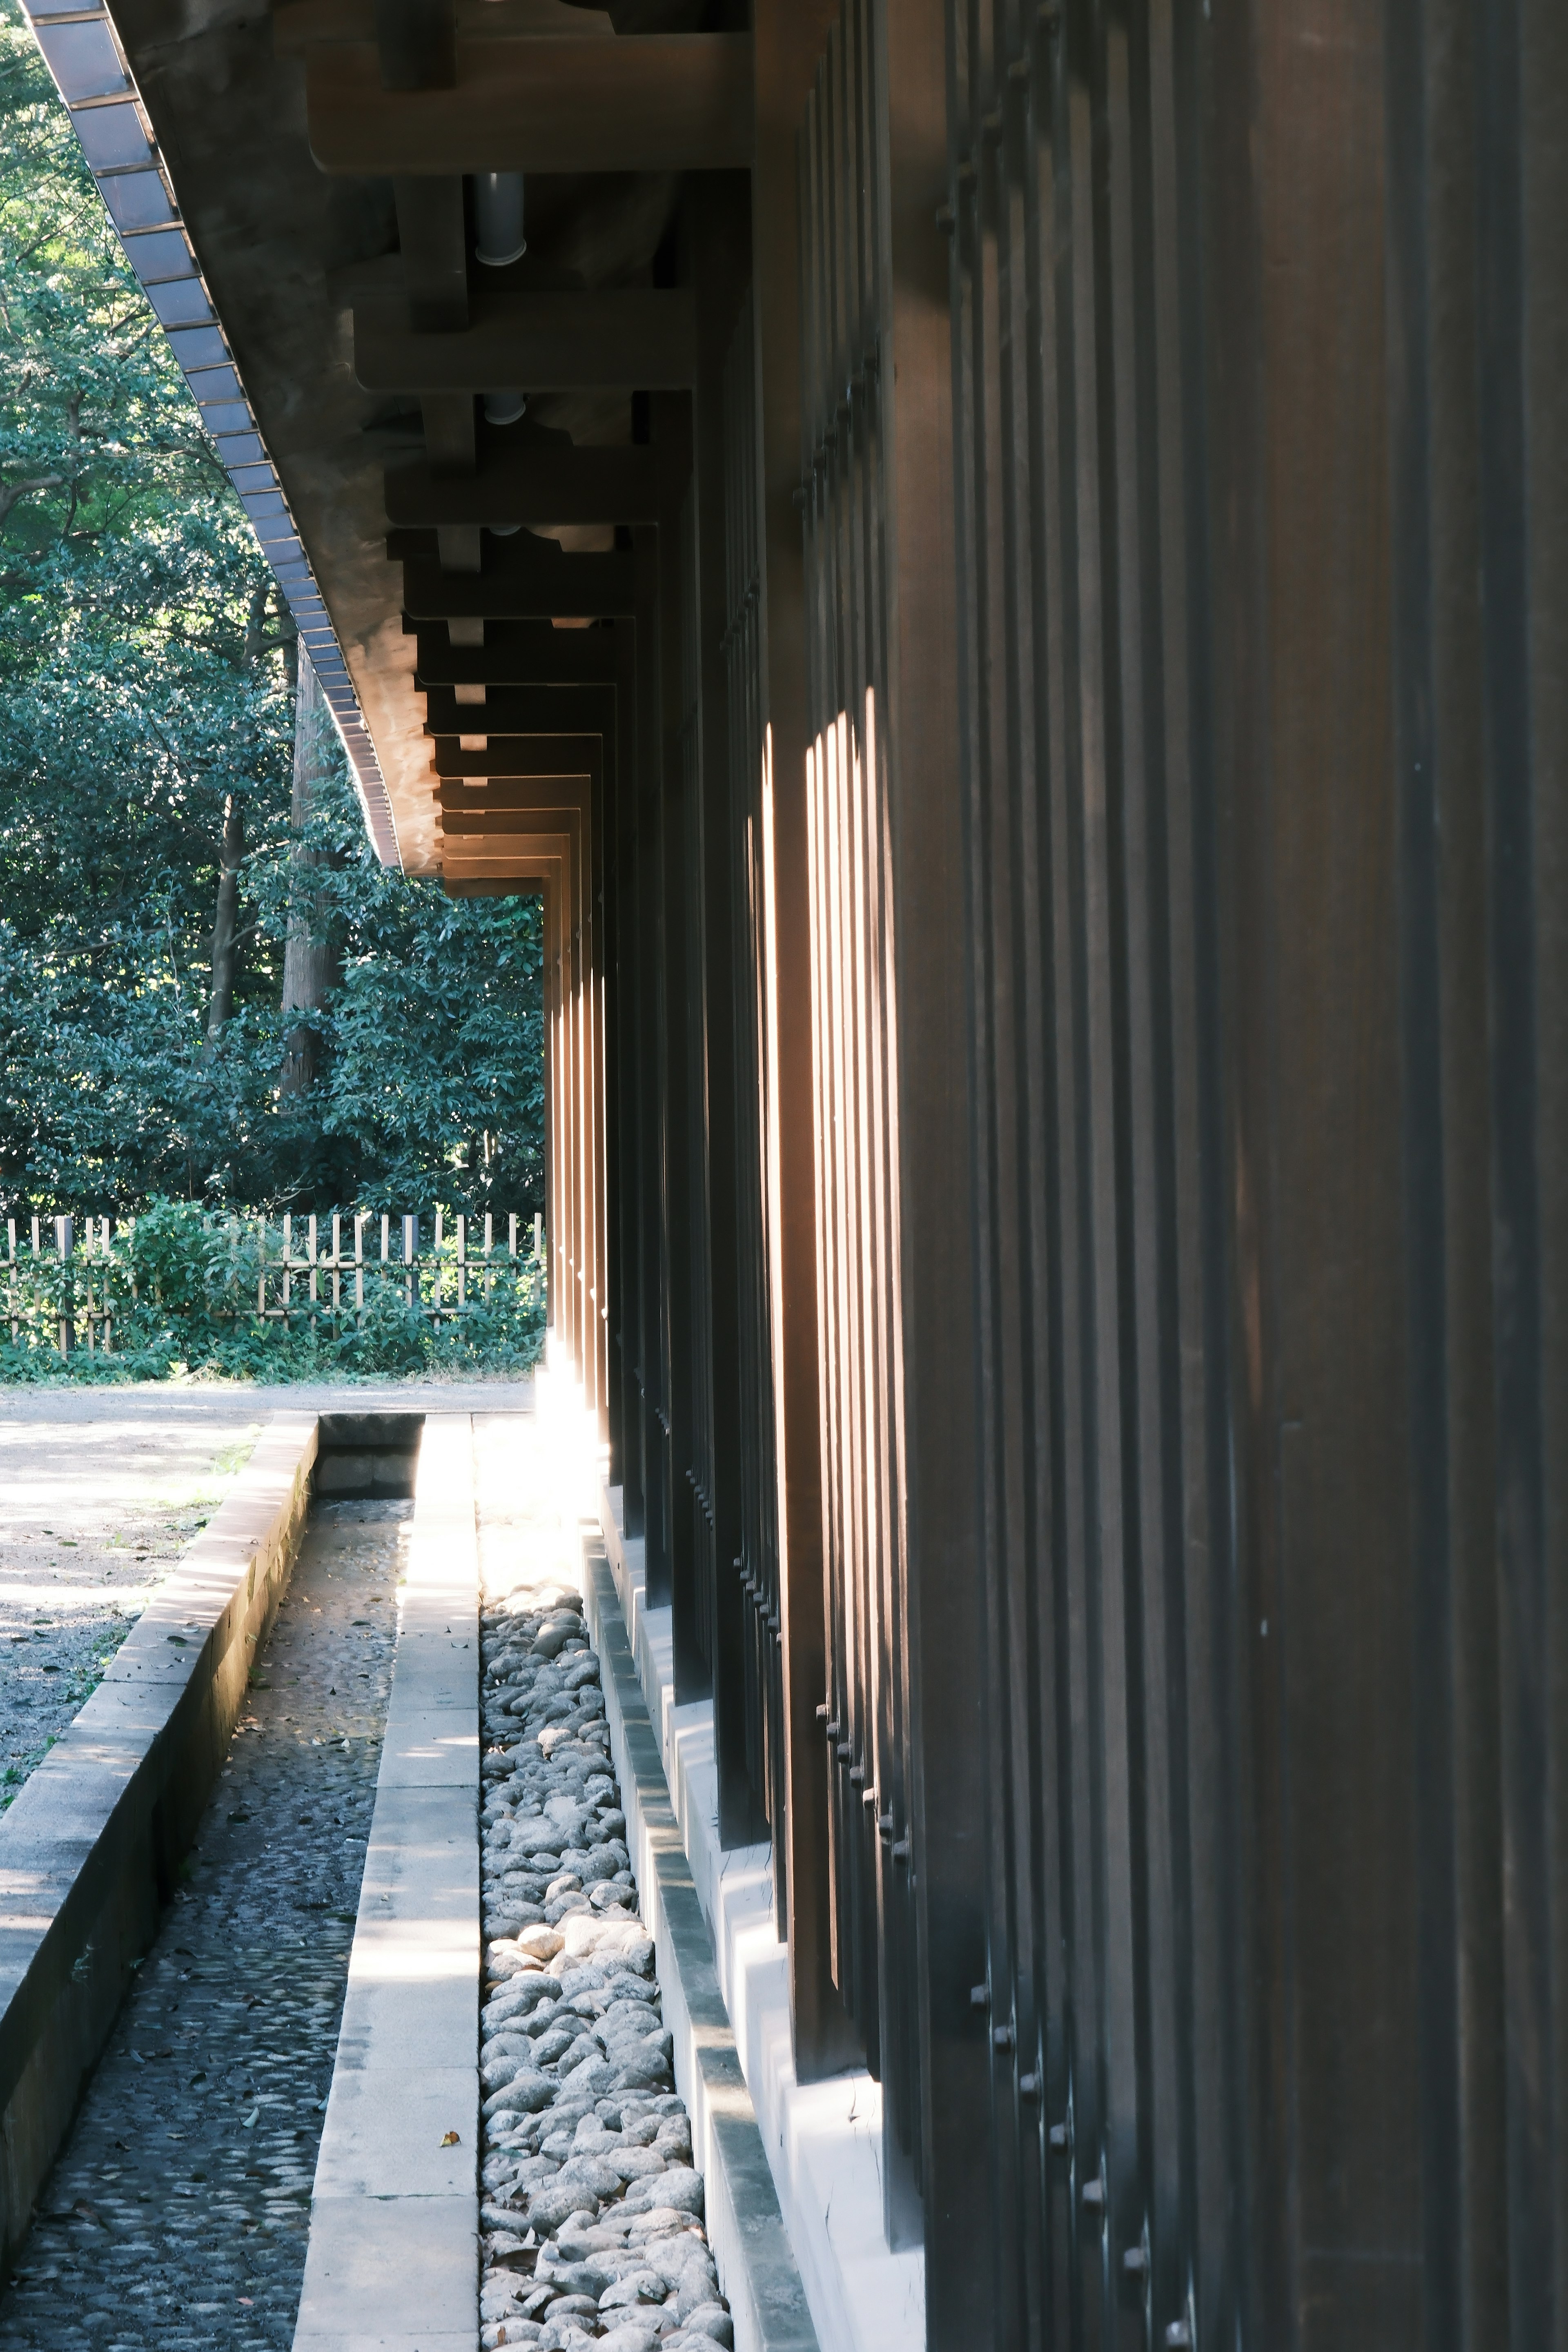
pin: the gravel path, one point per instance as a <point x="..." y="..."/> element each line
<point x="593" y="2228"/>
<point x="177" y="2214"/>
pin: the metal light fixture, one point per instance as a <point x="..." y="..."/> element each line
<point x="497" y="216"/>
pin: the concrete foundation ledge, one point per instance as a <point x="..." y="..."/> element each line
<point x="823" y="2140"/>
<point x="90" y="1849"/>
<point x="757" y="2268"/>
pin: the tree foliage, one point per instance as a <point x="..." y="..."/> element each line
<point x="146" y="671"/>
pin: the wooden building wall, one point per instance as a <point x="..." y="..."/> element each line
<point x="1054" y="845"/>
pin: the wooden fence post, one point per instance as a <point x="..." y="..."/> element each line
<point x="64" y="1245"/>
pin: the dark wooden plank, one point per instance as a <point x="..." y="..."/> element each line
<point x="547" y="480"/>
<point x="450" y="422"/>
<point x="529" y="828"/>
<point x="416" y="43"/>
<point x="517" y="655"/>
<point x="662" y="102"/>
<point x="527" y="793"/>
<point x="523" y="711"/>
<point x="516" y="755"/>
<point x="299" y="26"/>
<point x="573" y="586"/>
<point x="433" y="246"/>
<point x="639" y="339"/>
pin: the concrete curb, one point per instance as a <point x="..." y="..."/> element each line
<point x="823" y="2139"/>
<point x="392" y="2259"/>
<point x="90" y="1849"/>
<point x="746" y="2227"/>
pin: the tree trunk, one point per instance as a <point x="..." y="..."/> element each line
<point x="311" y="960"/>
<point x="226" y="919"/>
<point x="226" y="916"/>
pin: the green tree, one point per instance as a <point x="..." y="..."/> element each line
<point x="146" y="848"/>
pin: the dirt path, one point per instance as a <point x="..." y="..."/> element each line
<point x="101" y="1490"/>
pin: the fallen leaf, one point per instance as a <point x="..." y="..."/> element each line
<point x="452" y="2139"/>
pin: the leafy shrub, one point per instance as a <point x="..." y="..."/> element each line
<point x="177" y="1294"/>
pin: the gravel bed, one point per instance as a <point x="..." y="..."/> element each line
<point x="176" y="2217"/>
<point x="593" y="2212"/>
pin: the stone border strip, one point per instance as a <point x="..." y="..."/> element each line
<point x="392" y="2259"/>
<point x="746" y="2227"/>
<point x="90" y="1849"/>
<point x="823" y="2140"/>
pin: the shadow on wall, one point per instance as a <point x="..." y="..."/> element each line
<point x="367" y="1456"/>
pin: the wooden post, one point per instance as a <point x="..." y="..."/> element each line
<point x="788" y="37"/>
<point x="64" y="1244"/>
<point x="359" y="1264"/>
<point x="720" y="261"/>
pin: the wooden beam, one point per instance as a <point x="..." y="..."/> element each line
<point x="415" y="44"/>
<point x="478" y="827"/>
<point x="519" y="755"/>
<point x="540" y="657"/>
<point x="529" y="792"/>
<point x="432" y="244"/>
<point x="300" y="25"/>
<point x="573" y="587"/>
<point x="521" y="710"/>
<point x="532" y="484"/>
<point x="640" y="338"/>
<point x="655" y="102"/>
<point x="465" y="862"/>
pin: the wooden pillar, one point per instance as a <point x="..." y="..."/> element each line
<point x="936" y="1198"/>
<point x="652" y="1187"/>
<point x="679" y="973"/>
<point x="788" y="37"/>
<point x="630" y="1173"/>
<point x="721" y="235"/>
